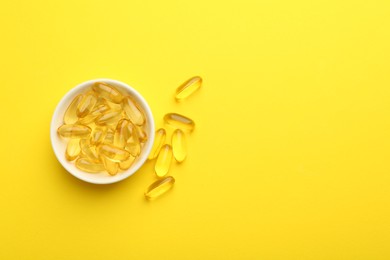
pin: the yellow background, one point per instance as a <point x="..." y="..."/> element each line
<point x="290" y="157"/>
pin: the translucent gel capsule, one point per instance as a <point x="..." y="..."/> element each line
<point x="159" y="140"/>
<point x="188" y="87"/>
<point x="179" y="147"/>
<point x="133" y="148"/>
<point x="108" y="92"/>
<point x="110" y="117"/>
<point x="122" y="133"/>
<point x="133" y="111"/>
<point x="89" y="150"/>
<point x="97" y="135"/>
<point x="114" y="153"/>
<point x="126" y="164"/>
<point x="179" y="121"/>
<point x="142" y="136"/>
<point x="70" y="116"/>
<point x="74" y="131"/>
<point x="72" y="149"/>
<point x="159" y="187"/>
<point x="109" y="137"/>
<point x="88" y="165"/>
<point x="86" y="105"/>
<point x="164" y="160"/>
<point x="111" y="167"/>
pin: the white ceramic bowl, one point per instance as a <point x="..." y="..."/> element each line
<point x="59" y="144"/>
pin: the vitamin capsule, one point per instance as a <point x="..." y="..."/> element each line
<point x="164" y="160"/>
<point x="110" y="117"/>
<point x="114" y="153"/>
<point x="108" y="92"/>
<point x="87" y="165"/>
<point x="72" y="149"/>
<point x="122" y="133"/>
<point x="188" y="87"/>
<point x="124" y="165"/>
<point x="109" y="137"/>
<point x="74" y="131"/>
<point x="142" y="136"/>
<point x="179" y="121"/>
<point x="89" y="150"/>
<point x="70" y="116"/>
<point x="159" y="187"/>
<point x="133" y="111"/>
<point x="86" y="105"/>
<point x="111" y="167"/>
<point x="133" y="148"/>
<point x="97" y="135"/>
<point x="179" y="147"/>
<point x="159" y="140"/>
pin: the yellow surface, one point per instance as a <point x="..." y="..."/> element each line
<point x="290" y="157"/>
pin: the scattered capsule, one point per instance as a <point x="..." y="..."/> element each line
<point x="109" y="137"/>
<point x="97" y="135"/>
<point x="86" y="105"/>
<point x="108" y="92"/>
<point x="188" y="87"/>
<point x="133" y="111"/>
<point x="88" y="165"/>
<point x="110" y="117"/>
<point x="122" y="133"/>
<point x="89" y="150"/>
<point x="111" y="167"/>
<point x="164" y="160"/>
<point x="70" y="116"/>
<point x="159" y="187"/>
<point x="179" y="121"/>
<point x="126" y="164"/>
<point x="74" y="131"/>
<point x="114" y="153"/>
<point x="159" y="140"/>
<point x="72" y="149"/>
<point x="179" y="147"/>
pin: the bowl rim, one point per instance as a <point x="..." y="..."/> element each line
<point x="146" y="149"/>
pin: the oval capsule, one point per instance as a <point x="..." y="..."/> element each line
<point x="111" y="167"/>
<point x="122" y="133"/>
<point x="108" y="91"/>
<point x="188" y="87"/>
<point x="72" y="149"/>
<point x="114" y="153"/>
<point x="87" y="165"/>
<point x="126" y="164"/>
<point x="86" y="105"/>
<point x="108" y="118"/>
<point x="97" y="135"/>
<point x="74" y="131"/>
<point x="164" y="160"/>
<point x="159" y="140"/>
<point x="70" y="116"/>
<point x="142" y="136"/>
<point x="179" y="121"/>
<point x="109" y="137"/>
<point x="159" y="187"/>
<point x="89" y="150"/>
<point x="179" y="147"/>
<point x="133" y="111"/>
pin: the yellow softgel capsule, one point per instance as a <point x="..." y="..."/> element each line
<point x="89" y="150"/>
<point x="164" y="160"/>
<point x="70" y="116"/>
<point x="122" y="133"/>
<point x="179" y="147"/>
<point x="179" y="121"/>
<point x="97" y="135"/>
<point x="133" y="148"/>
<point x="142" y="136"/>
<point x="74" y="131"/>
<point x="159" y="187"/>
<point x="86" y="105"/>
<point x="133" y="111"/>
<point x="97" y="111"/>
<point x="126" y="164"/>
<point x="109" y="137"/>
<point x="108" y="118"/>
<point x="187" y="88"/>
<point x="159" y="140"/>
<point x="108" y="92"/>
<point x="72" y="149"/>
<point x="111" y="167"/>
<point x="114" y="153"/>
<point x="88" y="165"/>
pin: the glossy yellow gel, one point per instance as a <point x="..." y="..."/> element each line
<point x="133" y="111"/>
<point x="74" y="131"/>
<point x="70" y="116"/>
<point x="108" y="118"/>
<point x="86" y="105"/>
<point x="72" y="149"/>
<point x="108" y="92"/>
<point x="114" y="153"/>
<point x="159" y="187"/>
<point x="188" y="87"/>
<point x="159" y="140"/>
<point x="111" y="167"/>
<point x="179" y="121"/>
<point x="179" y="147"/>
<point x="88" y="165"/>
<point x="164" y="160"/>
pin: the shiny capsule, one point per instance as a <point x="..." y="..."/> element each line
<point x="109" y="137"/>
<point x="134" y="148"/>
<point x="88" y="165"/>
<point x="159" y="140"/>
<point x="122" y="133"/>
<point x="70" y="116"/>
<point x="108" y="118"/>
<point x="133" y="111"/>
<point x="86" y="105"/>
<point x="179" y="147"/>
<point x="142" y="136"/>
<point x="108" y="92"/>
<point x="159" y="187"/>
<point x="187" y="88"/>
<point x="72" y="149"/>
<point x="114" y="153"/>
<point x="179" y="121"/>
<point x="111" y="167"/>
<point x="97" y="135"/>
<point x="89" y="150"/>
<point x="74" y="131"/>
<point x="164" y="160"/>
<point x="126" y="164"/>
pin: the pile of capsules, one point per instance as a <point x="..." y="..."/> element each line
<point x="175" y="147"/>
<point x="105" y="129"/>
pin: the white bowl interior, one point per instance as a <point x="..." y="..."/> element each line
<point x="59" y="144"/>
